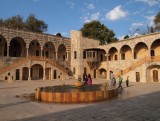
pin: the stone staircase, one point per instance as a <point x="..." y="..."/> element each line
<point x="32" y="58"/>
<point x="137" y="64"/>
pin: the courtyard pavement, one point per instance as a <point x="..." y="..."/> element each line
<point x="138" y="102"/>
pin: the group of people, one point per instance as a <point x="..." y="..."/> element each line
<point x="120" y="79"/>
<point x="87" y="79"/>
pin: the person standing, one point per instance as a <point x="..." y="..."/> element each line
<point x="127" y="81"/>
<point x="120" y="82"/>
<point x="111" y="78"/>
<point x="85" y="77"/>
<point x="89" y="80"/>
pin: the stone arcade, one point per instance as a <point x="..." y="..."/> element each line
<point x="37" y="56"/>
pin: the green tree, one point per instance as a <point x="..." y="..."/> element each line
<point x="31" y="23"/>
<point x="96" y="30"/>
<point x="127" y="36"/>
<point x="157" y="21"/>
<point x="34" y="24"/>
<point x="15" y="22"/>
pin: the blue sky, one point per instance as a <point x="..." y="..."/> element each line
<point x="122" y="16"/>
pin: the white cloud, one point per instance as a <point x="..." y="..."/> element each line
<point x="95" y="16"/>
<point x="136" y="26"/>
<point x="116" y="13"/>
<point x="91" y="17"/>
<point x="70" y="3"/>
<point x="150" y="20"/>
<point x="149" y="2"/>
<point x="91" y="6"/>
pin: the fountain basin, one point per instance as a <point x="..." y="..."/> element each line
<point x="73" y="95"/>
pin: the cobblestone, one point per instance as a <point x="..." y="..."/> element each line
<point x="139" y="102"/>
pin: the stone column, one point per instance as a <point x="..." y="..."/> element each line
<point x="29" y="74"/>
<point x="44" y="74"/>
<point x="41" y="51"/>
<point x="51" y="74"/>
<point x="56" y="55"/>
<point x="8" y="50"/>
<point x="27" y="52"/>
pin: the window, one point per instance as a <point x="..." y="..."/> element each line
<point x="37" y="44"/>
<point x="109" y="58"/>
<point x="135" y="56"/>
<point x="84" y="54"/>
<point x="123" y="56"/>
<point x="74" y="70"/>
<point x="32" y="43"/>
<point x="0" y="40"/>
<point x="37" y="52"/>
<point x="75" y="55"/>
<point x="47" y="54"/>
<point x="47" y="46"/>
<point x="94" y="54"/>
<point x="152" y="53"/>
<point x="115" y="57"/>
<point x="64" y="57"/>
<point x="101" y="57"/>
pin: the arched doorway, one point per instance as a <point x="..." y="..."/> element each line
<point x="34" y="48"/>
<point x="62" y="55"/>
<point x="102" y="73"/>
<point x="152" y="73"/>
<point x="17" y="47"/>
<point x="155" y="75"/>
<point x="126" y="52"/>
<point x="155" y="48"/>
<point x="140" y="50"/>
<point x="113" y="52"/>
<point x="3" y="46"/>
<point x="37" y="72"/>
<point x="49" y="50"/>
<point x="25" y="73"/>
<point x="48" y="73"/>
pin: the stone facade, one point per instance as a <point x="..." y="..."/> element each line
<point x="34" y="56"/>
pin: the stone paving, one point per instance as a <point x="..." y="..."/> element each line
<point x="139" y="102"/>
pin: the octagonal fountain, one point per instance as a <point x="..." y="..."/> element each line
<point x="77" y="93"/>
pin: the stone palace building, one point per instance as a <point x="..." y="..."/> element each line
<point x="37" y="56"/>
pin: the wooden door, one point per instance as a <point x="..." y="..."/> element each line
<point x="55" y="74"/>
<point x="155" y="76"/>
<point x="137" y="77"/>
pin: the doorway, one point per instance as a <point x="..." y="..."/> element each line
<point x="17" y="74"/>
<point x="155" y="76"/>
<point x="137" y="77"/>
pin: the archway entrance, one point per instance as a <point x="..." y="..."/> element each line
<point x="25" y="73"/>
<point x="140" y="50"/>
<point x="34" y="48"/>
<point x="3" y="46"/>
<point x="155" y="48"/>
<point x="17" y="74"/>
<point x="102" y="73"/>
<point x="17" y="47"/>
<point x="155" y="75"/>
<point x="37" y="72"/>
<point x="61" y="52"/>
<point x="152" y="73"/>
<point x="49" y="50"/>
